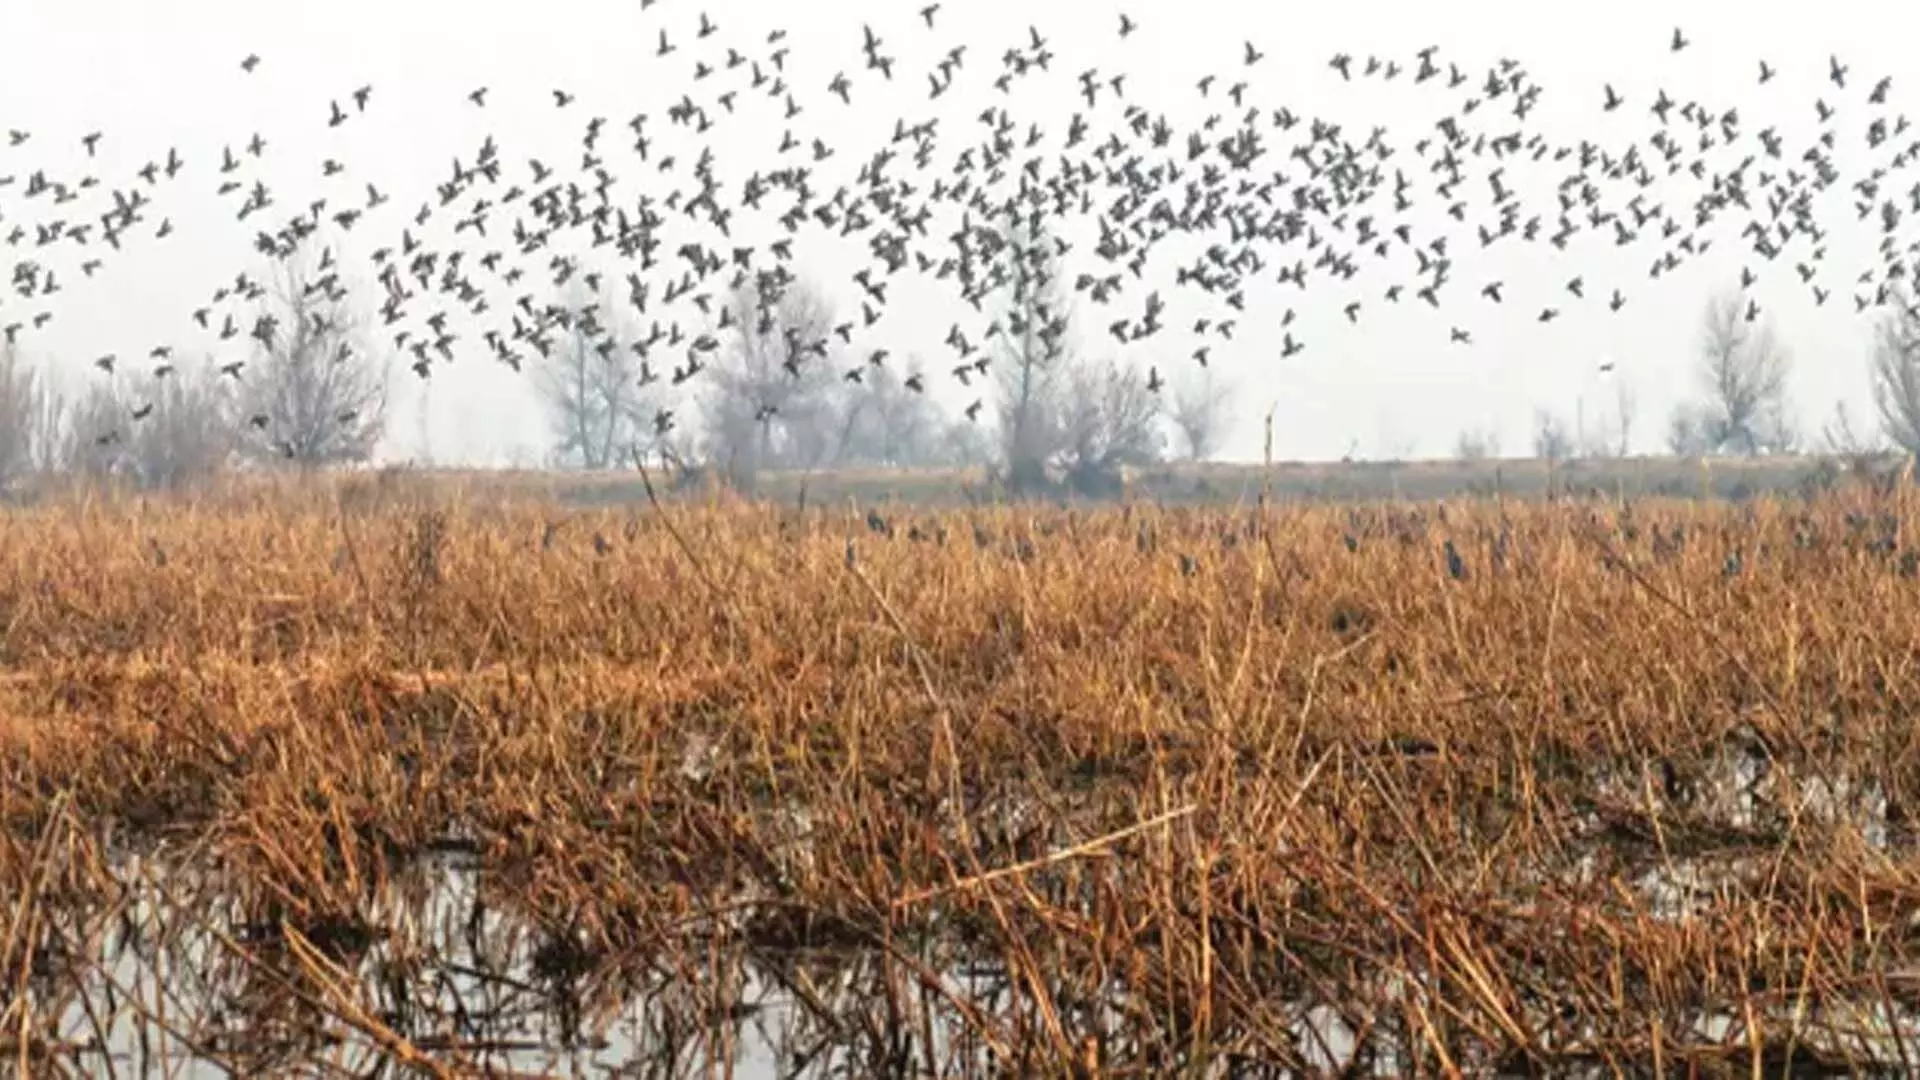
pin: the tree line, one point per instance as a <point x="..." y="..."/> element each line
<point x="784" y="389"/>
<point x="313" y="394"/>
<point x="1060" y="418"/>
<point x="781" y="389"/>
<point x="1742" y="402"/>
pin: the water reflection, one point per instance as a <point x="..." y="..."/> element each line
<point x="178" y="970"/>
<point x="186" y="979"/>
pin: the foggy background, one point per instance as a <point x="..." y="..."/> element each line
<point x="153" y="76"/>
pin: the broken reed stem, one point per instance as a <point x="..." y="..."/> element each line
<point x="1088" y="847"/>
<point x="956" y="790"/>
<point x="736" y="621"/>
<point x="1400" y="808"/>
<point x="913" y="646"/>
<point x="337" y="1003"/>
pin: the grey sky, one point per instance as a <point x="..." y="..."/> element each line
<point x="154" y="75"/>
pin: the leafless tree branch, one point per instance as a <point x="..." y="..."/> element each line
<point x="1202" y="412"/>
<point x="314" y="394"/>
<point x="1895" y="372"/>
<point x="1743" y="371"/>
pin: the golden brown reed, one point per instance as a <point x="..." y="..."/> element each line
<point x="1596" y="786"/>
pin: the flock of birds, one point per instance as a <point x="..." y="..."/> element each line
<point x="996" y="212"/>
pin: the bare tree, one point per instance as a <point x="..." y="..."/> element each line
<point x="1776" y="432"/>
<point x="96" y="431"/>
<point x="1625" y="409"/>
<point x="423" y="424"/>
<point x="1840" y="437"/>
<point x="603" y="401"/>
<point x="887" y="422"/>
<point x="769" y="400"/>
<point x="29" y="418"/>
<point x="1743" y="372"/>
<point x="1202" y="412"/>
<point x="50" y="430"/>
<point x="1031" y="353"/>
<point x="314" y="394"/>
<point x="1476" y="445"/>
<point x="167" y="429"/>
<point x="963" y="442"/>
<point x="1598" y="443"/>
<point x="1688" y="431"/>
<point x="181" y="439"/>
<point x="1108" y="419"/>
<point x="1895" y="372"/>
<point x="1551" y="439"/>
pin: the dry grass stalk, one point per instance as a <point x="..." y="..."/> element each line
<point x="1403" y="788"/>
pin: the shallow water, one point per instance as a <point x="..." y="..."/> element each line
<point x="181" y="979"/>
<point x="168" y="993"/>
<point x="453" y="977"/>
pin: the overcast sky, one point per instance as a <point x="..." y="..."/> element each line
<point x="150" y="76"/>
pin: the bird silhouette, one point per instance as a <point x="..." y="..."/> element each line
<point x="1223" y="210"/>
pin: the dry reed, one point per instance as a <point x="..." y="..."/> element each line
<point x="1423" y="789"/>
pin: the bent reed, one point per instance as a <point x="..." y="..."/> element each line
<point x="1401" y="788"/>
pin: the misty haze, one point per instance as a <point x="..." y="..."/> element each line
<point x="1464" y="238"/>
<point x="952" y="538"/>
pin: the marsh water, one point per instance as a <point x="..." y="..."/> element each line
<point x="179" y="978"/>
<point x="172" y="992"/>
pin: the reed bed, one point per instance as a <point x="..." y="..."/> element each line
<point x="1436" y="789"/>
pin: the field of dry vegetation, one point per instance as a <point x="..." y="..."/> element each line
<point x="306" y="783"/>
